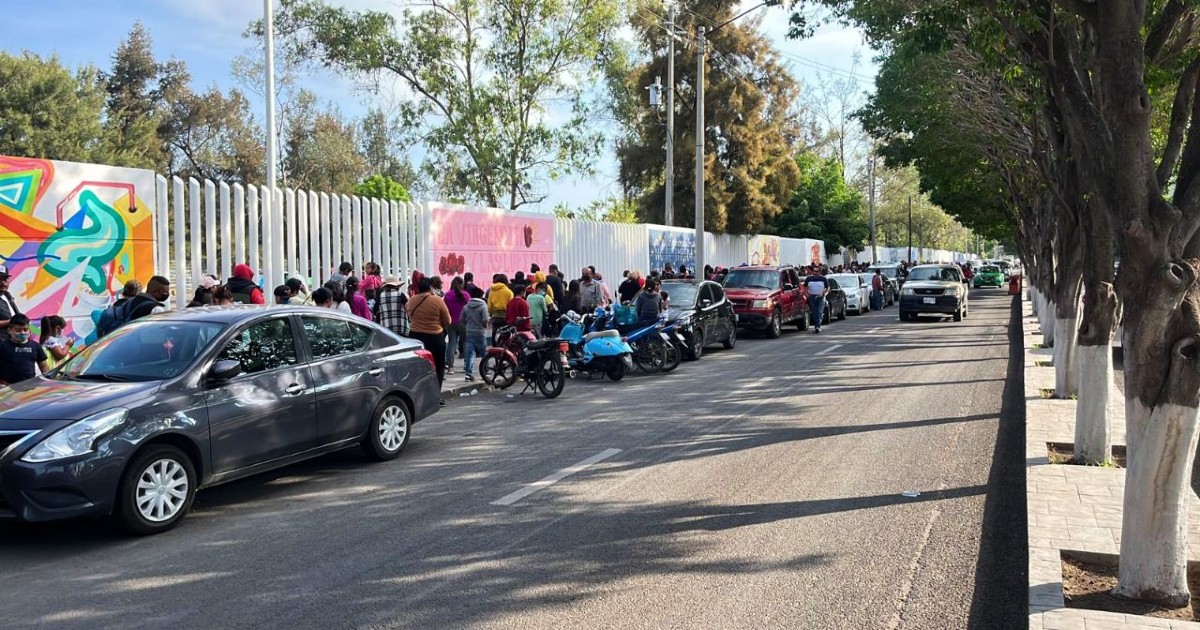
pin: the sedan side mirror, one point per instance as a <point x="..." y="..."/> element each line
<point x="224" y="370"/>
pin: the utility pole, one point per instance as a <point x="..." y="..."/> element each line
<point x="669" y="212"/>
<point x="871" y="203"/>
<point x="699" y="264"/>
<point x="910" y="258"/>
<point x="269" y="18"/>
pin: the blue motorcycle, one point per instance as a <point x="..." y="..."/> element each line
<point x="597" y="350"/>
<point x="648" y="342"/>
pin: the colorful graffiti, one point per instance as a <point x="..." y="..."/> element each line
<point x="489" y="242"/>
<point x="764" y="250"/>
<point x="675" y="246"/>
<point x="72" y="234"/>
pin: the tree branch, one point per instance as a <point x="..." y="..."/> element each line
<point x="1160" y="33"/>
<point x="1180" y="109"/>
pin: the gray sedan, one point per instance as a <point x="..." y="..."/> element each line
<point x="136" y="423"/>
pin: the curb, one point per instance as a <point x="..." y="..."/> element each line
<point x="454" y="391"/>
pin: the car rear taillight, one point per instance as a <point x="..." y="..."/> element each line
<point x="428" y="356"/>
<point x="564" y="347"/>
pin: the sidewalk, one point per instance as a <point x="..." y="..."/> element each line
<point x="1073" y="508"/>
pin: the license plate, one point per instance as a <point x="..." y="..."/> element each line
<point x="931" y="300"/>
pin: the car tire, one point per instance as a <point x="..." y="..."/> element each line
<point x="731" y="340"/>
<point x="842" y="313"/>
<point x="825" y="317"/>
<point x="774" y="327"/>
<point x="958" y="314"/>
<point x="697" y="349"/>
<point x="156" y="473"/>
<point x="389" y="430"/>
<point x="805" y="315"/>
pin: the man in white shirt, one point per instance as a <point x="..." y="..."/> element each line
<point x="8" y="306"/>
<point x="818" y="288"/>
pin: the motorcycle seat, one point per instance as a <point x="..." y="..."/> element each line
<point x="599" y="335"/>
<point x="543" y="343"/>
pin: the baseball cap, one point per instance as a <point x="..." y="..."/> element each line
<point x="208" y="282"/>
<point x="3" y="271"/>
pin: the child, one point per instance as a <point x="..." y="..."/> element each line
<point x="57" y="346"/>
<point x="19" y="354"/>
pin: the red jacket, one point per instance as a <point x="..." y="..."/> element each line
<point x="517" y="308"/>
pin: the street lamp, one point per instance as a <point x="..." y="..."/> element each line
<point x="700" y="50"/>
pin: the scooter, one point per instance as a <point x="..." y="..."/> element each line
<point x="600" y="351"/>
<point x="649" y="344"/>
<point x="674" y="345"/>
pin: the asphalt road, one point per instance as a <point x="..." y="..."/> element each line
<point x="758" y="488"/>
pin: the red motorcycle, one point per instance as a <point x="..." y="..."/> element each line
<point x="542" y="363"/>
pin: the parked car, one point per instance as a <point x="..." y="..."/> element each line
<point x="889" y="289"/>
<point x="708" y="315"/>
<point x="767" y="297"/>
<point x="835" y="302"/>
<point x="891" y="271"/>
<point x="858" y="294"/>
<point x="137" y="422"/>
<point x="934" y="289"/>
<point x="989" y="276"/>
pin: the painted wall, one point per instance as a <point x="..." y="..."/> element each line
<point x="764" y="250"/>
<point x="72" y="234"/>
<point x="676" y="246"/>
<point x="487" y="242"/>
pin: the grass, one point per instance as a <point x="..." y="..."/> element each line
<point x="1047" y="394"/>
<point x="1036" y="346"/>
<point x="1043" y="364"/>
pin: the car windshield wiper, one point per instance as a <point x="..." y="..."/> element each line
<point x="756" y="286"/>
<point x="111" y="378"/>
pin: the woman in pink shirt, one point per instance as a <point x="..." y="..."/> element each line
<point x="456" y="299"/>
<point x="358" y="303"/>
<point x="371" y="280"/>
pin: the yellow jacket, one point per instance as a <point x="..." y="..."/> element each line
<point x="498" y="297"/>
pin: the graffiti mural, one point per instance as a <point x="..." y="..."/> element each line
<point x="672" y="245"/>
<point x="487" y="242"/>
<point x="764" y="250"/>
<point x="72" y="234"/>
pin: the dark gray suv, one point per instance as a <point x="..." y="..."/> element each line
<point x="134" y="424"/>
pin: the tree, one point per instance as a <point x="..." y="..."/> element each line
<point x="134" y="108"/>
<point x="752" y="124"/>
<point x="48" y="112"/>
<point x="382" y="187"/>
<point x="378" y="136"/>
<point x="501" y="85"/>
<point x="321" y="149"/>
<point x="610" y="209"/>
<point x="823" y="206"/>
<point x="212" y="136"/>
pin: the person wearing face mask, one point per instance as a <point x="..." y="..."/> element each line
<point x="590" y="294"/>
<point x="153" y="300"/>
<point x="8" y="306"/>
<point x="19" y="353"/>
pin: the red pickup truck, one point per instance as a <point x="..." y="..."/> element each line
<point x="767" y="297"/>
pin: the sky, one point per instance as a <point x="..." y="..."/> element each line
<point x="207" y="35"/>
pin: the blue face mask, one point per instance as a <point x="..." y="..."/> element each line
<point x="21" y="337"/>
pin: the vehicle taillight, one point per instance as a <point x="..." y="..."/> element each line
<point x="428" y="356"/>
<point x="564" y="347"/>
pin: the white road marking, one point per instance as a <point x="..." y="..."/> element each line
<point x="513" y="497"/>
<point x="830" y="349"/>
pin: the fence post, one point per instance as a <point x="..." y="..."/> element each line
<point x="314" y="237"/>
<point x="194" y="226"/>
<point x="210" y="227"/>
<point x="301" y="268"/>
<point x="226" y="238"/>
<point x="239" y="223"/>
<point x="356" y="232"/>
<point x="177" y="206"/>
<point x="289" y="224"/>
<point x="253" y="222"/>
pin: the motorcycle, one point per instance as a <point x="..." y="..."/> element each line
<point x="597" y="350"/>
<point x="541" y="363"/>
<point x="674" y="345"/>
<point x="649" y="343"/>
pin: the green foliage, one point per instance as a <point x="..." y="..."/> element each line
<point x="751" y="129"/>
<point x="611" y="209"/>
<point x="382" y="187"/>
<point x="48" y="112"/>
<point x="823" y="206"/>
<point x="135" y="107"/>
<point x="212" y="135"/>
<point x="321" y="150"/>
<point x="499" y="87"/>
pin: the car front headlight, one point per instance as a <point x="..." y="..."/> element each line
<point x="761" y="303"/>
<point x="907" y="291"/>
<point x="76" y="439"/>
<point x="950" y="292"/>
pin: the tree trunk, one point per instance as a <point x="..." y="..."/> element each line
<point x="1162" y="397"/>
<point x="1068" y="272"/>
<point x="1093" y="421"/>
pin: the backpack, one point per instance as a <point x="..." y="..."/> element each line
<point x="115" y="316"/>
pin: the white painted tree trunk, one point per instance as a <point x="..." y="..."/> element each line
<point x="1093" y="421"/>
<point x="1066" y="343"/>
<point x="1034" y="299"/>
<point x="1162" y="443"/>
<point x="1047" y="322"/>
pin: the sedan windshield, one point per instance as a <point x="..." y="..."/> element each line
<point x="752" y="279"/>
<point x="682" y="294"/>
<point x="887" y="271"/>
<point x="934" y="274"/>
<point x="846" y="280"/>
<point x="149" y="351"/>
<point x="990" y="270"/>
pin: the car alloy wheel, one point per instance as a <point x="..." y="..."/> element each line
<point x="393" y="428"/>
<point x="775" y="328"/>
<point x="731" y="340"/>
<point x="697" y="345"/>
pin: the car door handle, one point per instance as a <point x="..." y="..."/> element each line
<point x="294" y="389"/>
<point x="375" y="372"/>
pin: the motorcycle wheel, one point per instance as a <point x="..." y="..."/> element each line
<point x="671" y="357"/>
<point x="553" y="377"/>
<point x="498" y="372"/>
<point x="648" y="357"/>
<point x="616" y="370"/>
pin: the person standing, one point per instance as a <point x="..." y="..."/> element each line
<point x="590" y="294"/>
<point x="818" y="287"/>
<point x="344" y="271"/>
<point x="630" y="287"/>
<point x="497" y="300"/>
<point x="8" y="306"/>
<point x="300" y="296"/>
<point x="358" y="303"/>
<point x="469" y="282"/>
<point x="152" y="300"/>
<point x="283" y="295"/>
<point x="391" y="307"/>
<point x="20" y="354"/>
<point x="557" y="288"/>
<point x="537" y="309"/>
<point x="877" y="281"/>
<point x="572" y="302"/>
<point x="474" y="320"/>
<point x="338" y="294"/>
<point x="242" y="286"/>
<point x="456" y="301"/>
<point x="648" y="304"/>
<point x="54" y="342"/>
<point x="517" y="314"/>
<point x="371" y="280"/>
<point x="430" y="318"/>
